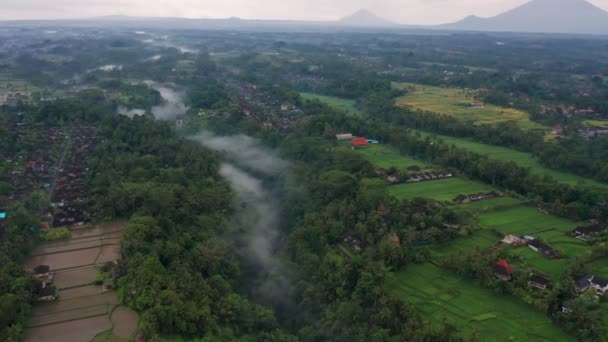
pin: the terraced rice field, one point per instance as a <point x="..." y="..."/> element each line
<point x="522" y="159"/>
<point x="345" y="105"/>
<point x="83" y="310"/>
<point x="478" y="312"/>
<point x="441" y="190"/>
<point x="457" y="102"/>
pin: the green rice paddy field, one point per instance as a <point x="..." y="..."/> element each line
<point x="441" y="190"/>
<point x="344" y="105"/>
<point x="522" y="159"/>
<point x="384" y="156"/>
<point x="456" y="102"/>
<point x="480" y="312"/>
<point x="476" y="311"/>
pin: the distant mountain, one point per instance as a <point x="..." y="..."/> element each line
<point x="546" y="16"/>
<point x="365" y="18"/>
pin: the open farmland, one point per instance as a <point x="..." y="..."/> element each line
<point x="345" y="105"/>
<point x="457" y="102"/>
<point x="523" y="220"/>
<point x="384" y="156"/>
<point x="490" y="204"/>
<point x="441" y="190"/>
<point x="522" y="159"/>
<point x="83" y="310"/>
<point x="478" y="312"/>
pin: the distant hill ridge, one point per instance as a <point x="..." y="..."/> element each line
<point x="541" y="16"/>
<point x="365" y="18"/>
<point x="548" y="16"/>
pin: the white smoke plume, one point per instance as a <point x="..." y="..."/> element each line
<point x="131" y="113"/>
<point x="257" y="208"/>
<point x="173" y="105"/>
<point x="246" y="151"/>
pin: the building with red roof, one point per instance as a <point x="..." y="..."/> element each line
<point x="359" y="143"/>
<point x="503" y="270"/>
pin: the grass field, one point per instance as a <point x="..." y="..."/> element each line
<point x="490" y="204"/>
<point x="600" y="267"/>
<point x="440" y="295"/>
<point x="441" y="190"/>
<point x="457" y="102"/>
<point x="520" y="158"/>
<point x="344" y="105"/>
<point x="596" y="123"/>
<point x="384" y="156"/>
<point x="523" y="220"/>
<point x="481" y="239"/>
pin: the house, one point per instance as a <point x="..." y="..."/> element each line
<point x="538" y="281"/>
<point x="46" y="294"/>
<point x="542" y="248"/>
<point x="345" y="136"/>
<point x="582" y="284"/>
<point x="514" y="241"/>
<point x="393" y="178"/>
<point x="43" y="272"/>
<point x="584" y="232"/>
<point x="359" y="143"/>
<point x="477" y="105"/>
<point x="373" y="141"/>
<point x="503" y="270"/>
<point x="2" y="216"/>
<point x="600" y="285"/>
<point x="286" y="107"/>
<point x="587" y="282"/>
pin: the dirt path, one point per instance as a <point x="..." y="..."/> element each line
<point x="83" y="310"/>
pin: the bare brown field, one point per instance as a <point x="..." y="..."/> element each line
<point x="108" y="253"/>
<point x="68" y="247"/>
<point x="74" y="331"/>
<point x="124" y="322"/>
<point x="82" y="310"/>
<point x="59" y="261"/>
<point x="107" y="298"/>
<point x="71" y="315"/>
<point x="81" y="291"/>
<point x="75" y="277"/>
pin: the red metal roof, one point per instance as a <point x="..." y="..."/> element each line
<point x="505" y="264"/>
<point x="359" y="142"/>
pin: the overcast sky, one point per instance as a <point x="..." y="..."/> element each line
<point x="401" y="11"/>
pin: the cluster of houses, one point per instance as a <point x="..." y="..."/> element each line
<point x="533" y="243"/>
<point x="13" y="99"/>
<point x="589" y="133"/>
<point x="45" y="289"/>
<point x="356" y="142"/>
<point x="69" y="196"/>
<point x="353" y="242"/>
<point x="257" y="105"/>
<point x="585" y="232"/>
<point x="504" y="271"/>
<point x="587" y="282"/>
<point x="464" y="199"/>
<point x="397" y="178"/>
<point x="31" y="170"/>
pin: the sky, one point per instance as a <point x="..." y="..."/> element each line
<point x="400" y="11"/>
